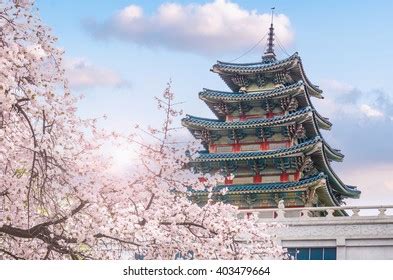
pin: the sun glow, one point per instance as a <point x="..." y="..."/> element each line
<point x="123" y="158"/>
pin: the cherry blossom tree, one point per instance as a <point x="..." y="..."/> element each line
<point x="46" y="158"/>
<point x="57" y="198"/>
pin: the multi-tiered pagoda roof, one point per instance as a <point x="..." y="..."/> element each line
<point x="266" y="139"/>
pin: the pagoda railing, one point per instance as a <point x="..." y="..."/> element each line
<point x="320" y="213"/>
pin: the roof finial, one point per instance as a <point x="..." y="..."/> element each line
<point x="269" y="54"/>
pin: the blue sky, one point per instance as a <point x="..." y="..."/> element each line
<point x="125" y="52"/>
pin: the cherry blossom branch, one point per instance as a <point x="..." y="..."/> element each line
<point x="11" y="255"/>
<point x="100" y="235"/>
<point x="189" y="224"/>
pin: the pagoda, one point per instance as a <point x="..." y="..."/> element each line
<point x="266" y="139"/>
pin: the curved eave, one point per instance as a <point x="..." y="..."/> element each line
<point x="322" y="122"/>
<point x="247" y="68"/>
<point x="305" y="116"/>
<point x="315" y="125"/>
<point x="325" y="195"/>
<point x="299" y="149"/>
<point x="214" y="96"/>
<point x="226" y="70"/>
<point x="318" y="182"/>
<point x="192" y="122"/>
<point x="315" y="146"/>
<point x="302" y="116"/>
<point x="315" y="89"/>
<point x="334" y="180"/>
<point x="269" y="187"/>
<point x="333" y="154"/>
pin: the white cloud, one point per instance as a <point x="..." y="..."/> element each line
<point x="82" y="74"/>
<point x="343" y="100"/>
<point x="370" y="112"/>
<point x="336" y="86"/>
<point x="218" y="26"/>
<point x="130" y="14"/>
<point x="339" y="99"/>
<point x="362" y="122"/>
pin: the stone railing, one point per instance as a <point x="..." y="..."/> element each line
<point x="308" y="213"/>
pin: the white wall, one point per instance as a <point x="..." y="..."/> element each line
<point x="356" y="238"/>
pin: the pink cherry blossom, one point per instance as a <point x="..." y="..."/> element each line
<point x="57" y="198"/>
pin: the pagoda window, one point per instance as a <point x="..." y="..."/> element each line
<point x="277" y="145"/>
<point x="231" y="118"/>
<point x="234" y="119"/>
<point x="327" y="253"/>
<point x="243" y="180"/>
<point x="250" y="147"/>
<point x="254" y="116"/>
<point x="224" y="148"/>
<point x="271" y="178"/>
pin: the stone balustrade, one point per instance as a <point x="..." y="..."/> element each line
<point x="363" y="232"/>
<point x="320" y="213"/>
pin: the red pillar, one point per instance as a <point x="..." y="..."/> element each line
<point x="264" y="146"/>
<point x="284" y="177"/>
<point x="236" y="148"/>
<point x="228" y="181"/>
<point x="269" y="115"/>
<point x="257" y="179"/>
